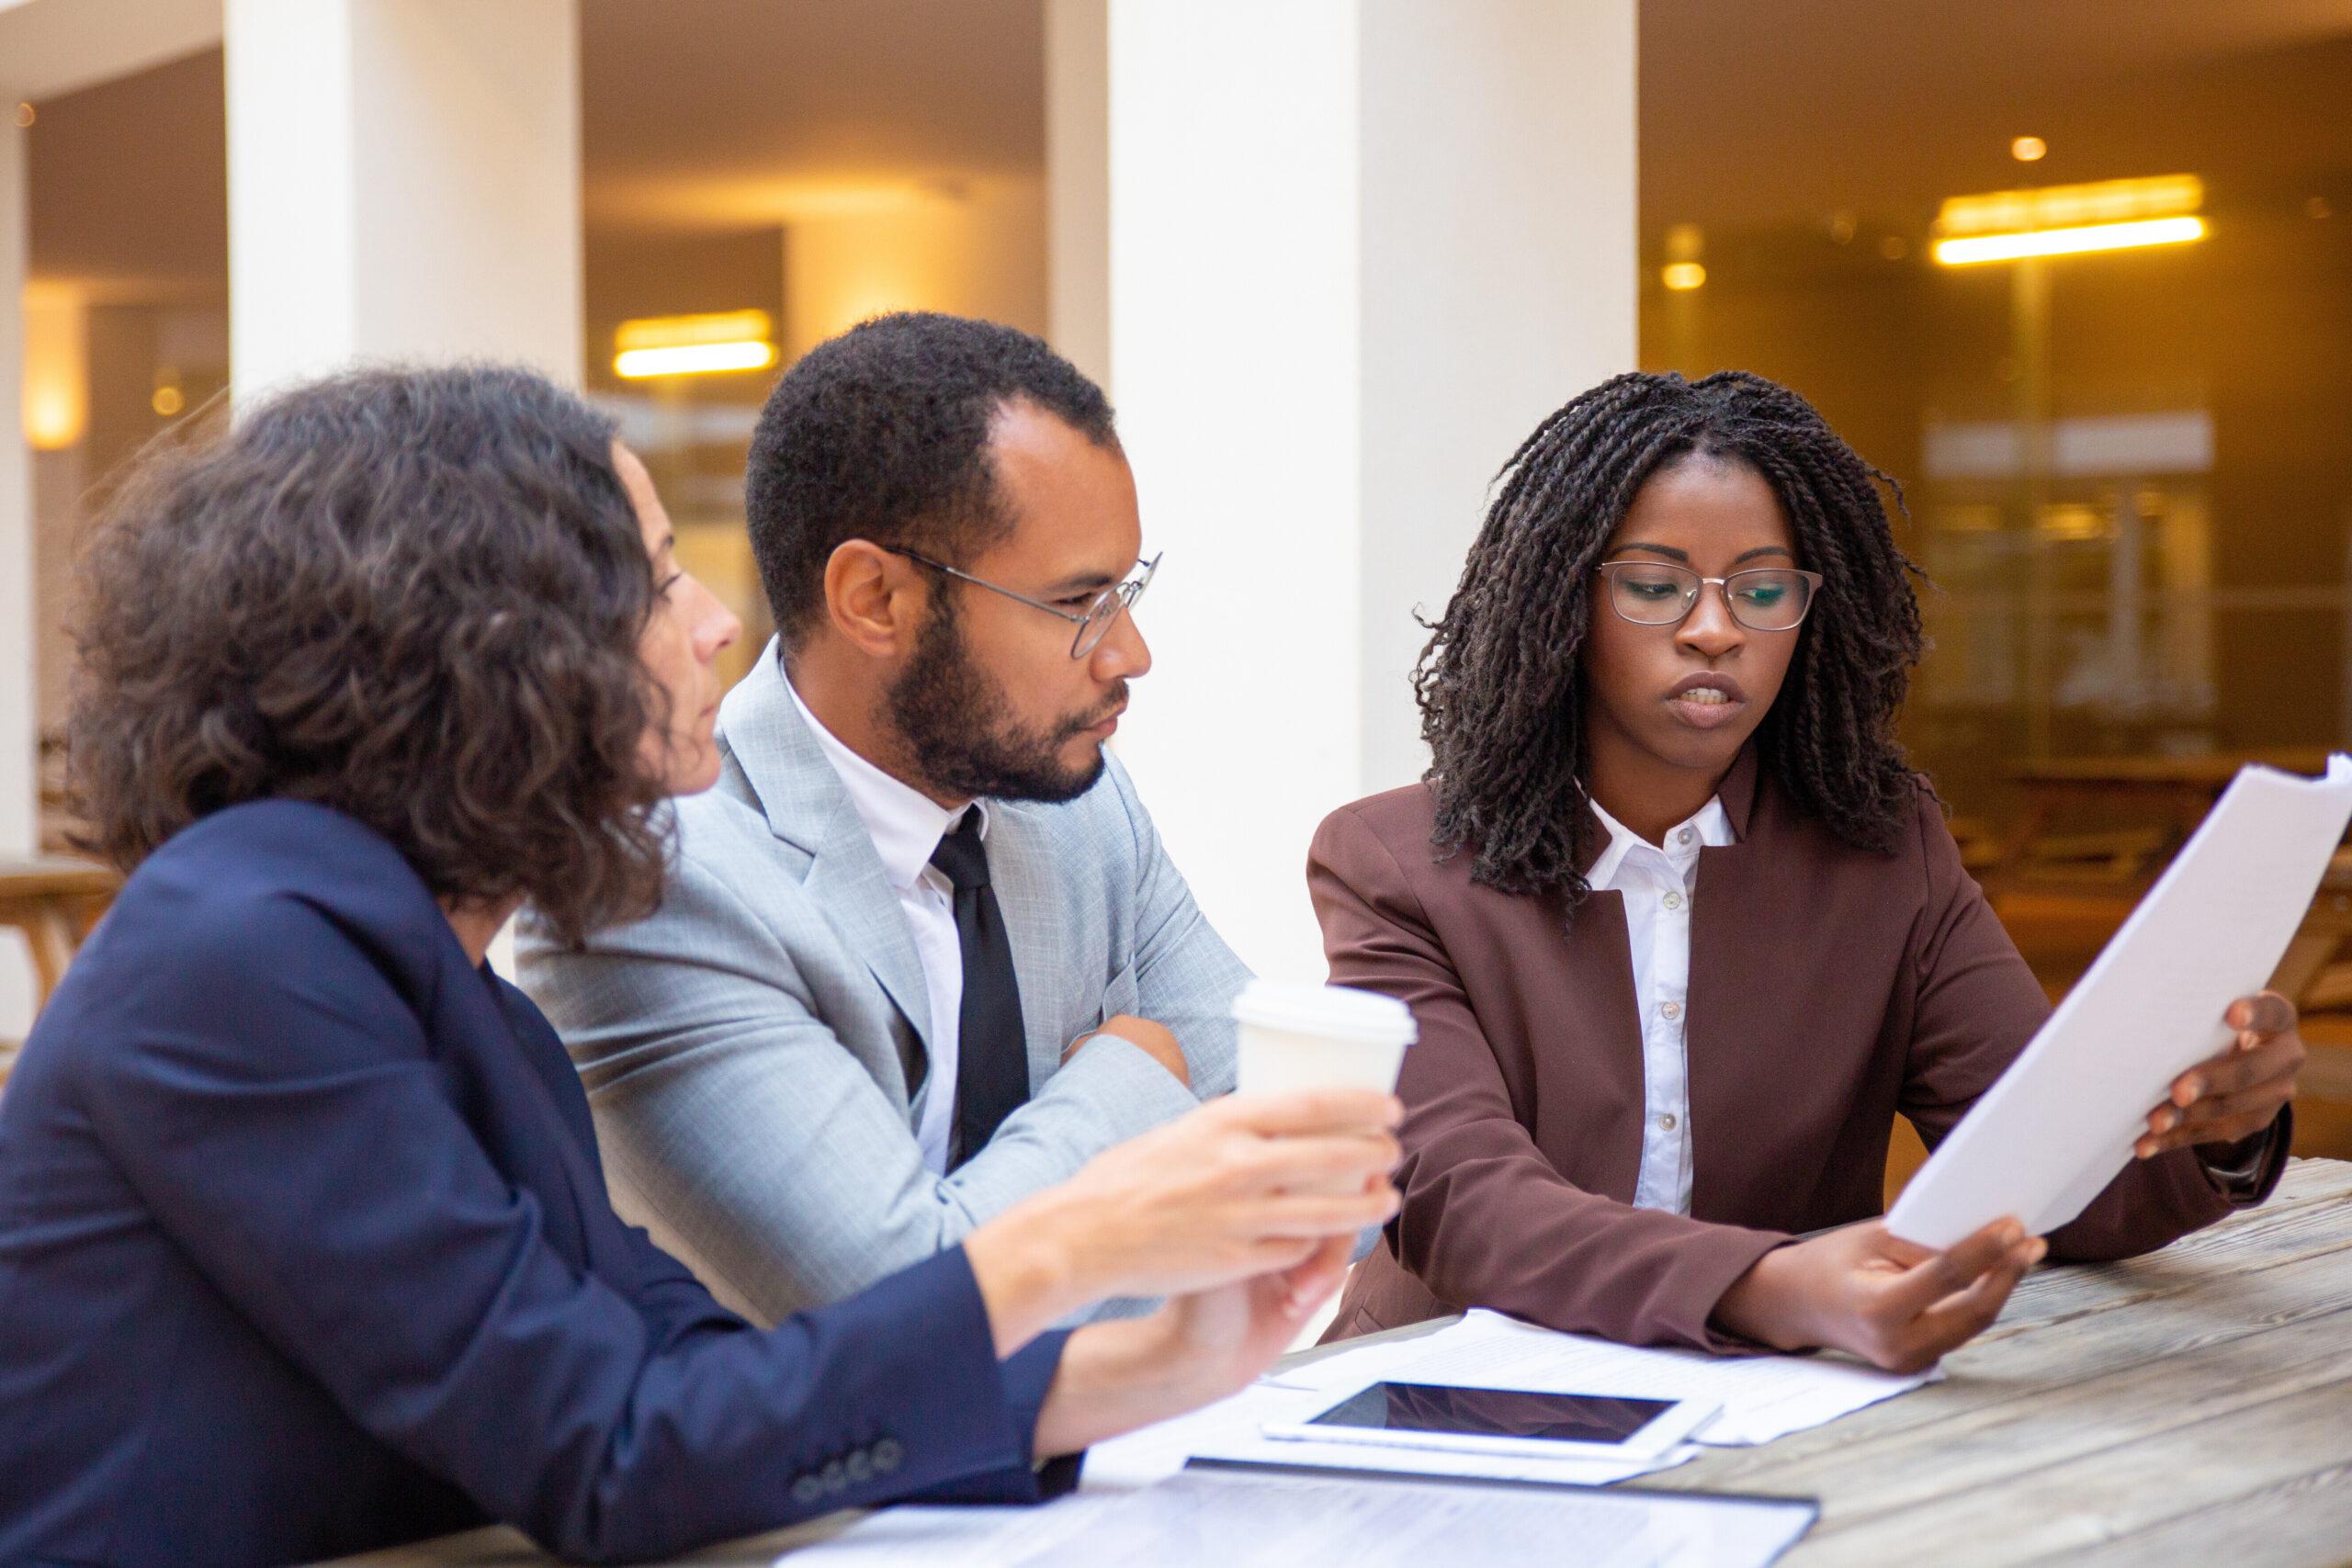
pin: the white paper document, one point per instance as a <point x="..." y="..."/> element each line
<point x="2054" y="1131"/>
<point x="1762" y="1397"/>
<point x="1238" y="1519"/>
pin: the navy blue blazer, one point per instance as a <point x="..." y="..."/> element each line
<point x="304" y="1249"/>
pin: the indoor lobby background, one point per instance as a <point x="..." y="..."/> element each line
<point x="1332" y="259"/>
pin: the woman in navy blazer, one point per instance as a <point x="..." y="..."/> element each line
<point x="304" y="1244"/>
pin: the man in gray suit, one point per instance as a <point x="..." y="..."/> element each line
<point x="924" y="954"/>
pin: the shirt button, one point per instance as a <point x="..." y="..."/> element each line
<point x="860" y="1467"/>
<point x="1668" y="1122"/>
<point x="886" y="1455"/>
<point x="1674" y="901"/>
<point x="807" y="1489"/>
<point x="1673" y="1009"/>
<point x="1682" y="835"/>
<point x="835" y="1477"/>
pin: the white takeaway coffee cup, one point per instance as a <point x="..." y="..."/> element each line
<point x="1296" y="1035"/>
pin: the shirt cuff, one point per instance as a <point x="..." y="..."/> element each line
<point x="2245" y="1171"/>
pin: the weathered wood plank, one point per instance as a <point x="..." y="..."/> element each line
<point x="2275" y="1232"/>
<point x="2302" y="1522"/>
<point x="2214" y="1311"/>
<point x="2117" y="1492"/>
<point x="1987" y="1449"/>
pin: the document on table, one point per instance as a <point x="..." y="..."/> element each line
<point x="1244" y="1520"/>
<point x="2050" y="1135"/>
<point x="1762" y="1397"/>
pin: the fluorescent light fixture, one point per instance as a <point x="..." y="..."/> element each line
<point x="693" y="359"/>
<point x="694" y="345"/>
<point x="1975" y="248"/>
<point x="1680" y="275"/>
<point x="2071" y="206"/>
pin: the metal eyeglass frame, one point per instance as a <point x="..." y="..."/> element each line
<point x="1123" y="595"/>
<point x="1698" y="586"/>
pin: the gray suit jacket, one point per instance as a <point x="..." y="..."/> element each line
<point x="747" y="1049"/>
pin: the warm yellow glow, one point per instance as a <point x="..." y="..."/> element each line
<point x="2029" y="148"/>
<point x="679" y="332"/>
<point x="56" y="371"/>
<point x="2071" y="206"/>
<point x="1685" y="242"/>
<point x="693" y="359"/>
<point x="1680" y="276"/>
<point x="2069" y="241"/>
<point x="694" y="345"/>
<point x="167" y="401"/>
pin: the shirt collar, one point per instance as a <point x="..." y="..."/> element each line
<point x="1710" y="827"/>
<point x="905" y="824"/>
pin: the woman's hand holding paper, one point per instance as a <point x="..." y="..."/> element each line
<point x="2229" y="1098"/>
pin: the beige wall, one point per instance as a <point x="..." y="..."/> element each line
<point x="976" y="250"/>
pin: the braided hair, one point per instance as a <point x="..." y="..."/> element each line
<point x="1501" y="705"/>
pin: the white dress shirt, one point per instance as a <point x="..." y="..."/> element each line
<point x="906" y="826"/>
<point x="1658" y="885"/>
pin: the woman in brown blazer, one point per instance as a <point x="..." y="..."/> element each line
<point x="1682" y="930"/>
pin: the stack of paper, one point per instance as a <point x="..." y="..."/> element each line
<point x="1762" y="1397"/>
<point x="1248" y="1520"/>
<point x="2053" y="1133"/>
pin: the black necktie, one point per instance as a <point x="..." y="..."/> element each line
<point x="992" y="1052"/>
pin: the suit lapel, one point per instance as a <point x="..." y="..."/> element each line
<point x="1740" y="923"/>
<point x="1595" y="1001"/>
<point x="529" y="1136"/>
<point x="808" y="807"/>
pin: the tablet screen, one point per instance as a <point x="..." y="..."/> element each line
<point x="1495" y="1412"/>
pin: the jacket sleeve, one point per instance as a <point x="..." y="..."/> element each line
<point x="727" y="1105"/>
<point x="1975" y="1006"/>
<point x="282" y="1116"/>
<point x="1487" y="1220"/>
<point x="1186" y="977"/>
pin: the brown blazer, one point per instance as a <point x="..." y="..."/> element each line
<point x="1830" y="989"/>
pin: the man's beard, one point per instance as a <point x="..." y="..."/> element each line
<point x="960" y="734"/>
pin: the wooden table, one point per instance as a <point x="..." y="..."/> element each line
<point x="2188" y="1408"/>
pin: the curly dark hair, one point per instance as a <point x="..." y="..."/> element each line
<point x="882" y="434"/>
<point x="412" y="595"/>
<point x="1501" y="707"/>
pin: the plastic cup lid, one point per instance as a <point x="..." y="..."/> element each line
<point x="1338" y="1012"/>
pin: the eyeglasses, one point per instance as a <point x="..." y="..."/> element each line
<point x="1656" y="593"/>
<point x="1093" y="623"/>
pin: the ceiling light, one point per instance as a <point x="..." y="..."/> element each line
<point x="1681" y="275"/>
<point x="2029" y="148"/>
<point x="693" y="359"/>
<point x="694" y="345"/>
<point x="2072" y="242"/>
<point x="2071" y="206"/>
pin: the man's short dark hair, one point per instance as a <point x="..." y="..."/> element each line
<point x="415" y="596"/>
<point x="882" y="434"/>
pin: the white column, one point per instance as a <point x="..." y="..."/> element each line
<point x="1358" y="249"/>
<point x="1078" y="183"/>
<point x="403" y="183"/>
